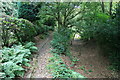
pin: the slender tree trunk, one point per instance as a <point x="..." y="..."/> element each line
<point x="103" y="8"/>
<point x="110" y="11"/>
<point x="58" y="17"/>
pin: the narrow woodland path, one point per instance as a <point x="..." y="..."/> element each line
<point x="41" y="59"/>
<point x="92" y="63"/>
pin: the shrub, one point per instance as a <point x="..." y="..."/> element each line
<point x="11" y="70"/>
<point x="106" y="32"/>
<point x="28" y="11"/>
<point x="8" y="8"/>
<point x="114" y="45"/>
<point x="60" y="70"/>
<point x="41" y="28"/>
<point x="14" y="59"/>
<point x="21" y="29"/>
<point x="60" y="41"/>
<point x="31" y="46"/>
<point x="108" y="35"/>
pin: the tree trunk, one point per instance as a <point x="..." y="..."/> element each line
<point x="102" y="5"/>
<point x="110" y="11"/>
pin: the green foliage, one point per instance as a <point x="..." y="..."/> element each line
<point x="109" y="36"/>
<point x="60" y="70"/>
<point x="90" y="70"/>
<point x="14" y="28"/>
<point x="11" y="68"/>
<point x="49" y="21"/>
<point x="45" y="22"/>
<point x="45" y="19"/>
<point x="102" y="16"/>
<point x="60" y="15"/>
<point x="41" y="28"/>
<point x="8" y="8"/>
<point x="82" y="67"/>
<point x="75" y="59"/>
<point x="28" y="11"/>
<point x="2" y="75"/>
<point x="17" y="54"/>
<point x="105" y="31"/>
<point x="13" y="59"/>
<point x="31" y="46"/>
<point x="91" y="28"/>
<point x="60" y="42"/>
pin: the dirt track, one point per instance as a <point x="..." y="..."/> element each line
<point x="92" y="63"/>
<point x="40" y="61"/>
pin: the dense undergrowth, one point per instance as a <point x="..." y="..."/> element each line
<point x="18" y="27"/>
<point x="60" y="41"/>
<point x="14" y="61"/>
<point x="105" y="30"/>
<point x="14" y="29"/>
<point x="101" y="27"/>
<point x="60" y="70"/>
<point x="60" y="45"/>
<point x="20" y="22"/>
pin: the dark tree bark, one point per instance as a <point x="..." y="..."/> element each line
<point x="110" y="11"/>
<point x="102" y="5"/>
